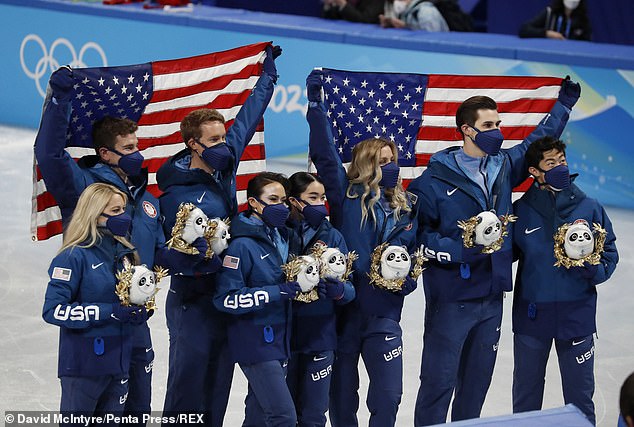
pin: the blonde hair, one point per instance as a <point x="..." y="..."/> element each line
<point x="82" y="229"/>
<point x="365" y="170"/>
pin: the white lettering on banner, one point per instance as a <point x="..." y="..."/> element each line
<point x="48" y="62"/>
<point x="246" y="300"/>
<point x="281" y="102"/>
<point x="77" y="313"/>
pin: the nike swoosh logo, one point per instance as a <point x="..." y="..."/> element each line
<point x="124" y="381"/>
<point x="390" y="338"/>
<point x="264" y="256"/>
<point x="318" y="359"/>
<point x="450" y="192"/>
<point x="578" y="342"/>
<point x="147" y="350"/>
<point x="200" y="199"/>
<point x="94" y="266"/>
<point x="527" y="231"/>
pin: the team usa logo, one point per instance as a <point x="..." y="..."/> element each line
<point x="149" y="209"/>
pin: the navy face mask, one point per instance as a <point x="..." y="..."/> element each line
<point x="274" y="215"/>
<point x="489" y="141"/>
<point x="389" y="175"/>
<point x="314" y="214"/>
<point x="217" y="157"/>
<point x="119" y="225"/>
<point x="131" y="163"/>
<point x="558" y="178"/>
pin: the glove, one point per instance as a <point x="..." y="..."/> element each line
<point x="132" y="314"/>
<point x="269" y="62"/>
<point x="586" y="272"/>
<point x="331" y="289"/>
<point x="569" y="93"/>
<point x="289" y="290"/>
<point x="61" y="82"/>
<point x="207" y="266"/>
<point x="409" y="286"/>
<point x="313" y="85"/>
<point x="473" y="255"/>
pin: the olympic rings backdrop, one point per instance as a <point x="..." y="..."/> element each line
<point x="38" y="40"/>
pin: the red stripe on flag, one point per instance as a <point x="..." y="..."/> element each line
<point x="45" y="201"/>
<point x="517" y="106"/>
<point x="433" y="133"/>
<point x="524" y="186"/>
<point x="49" y="229"/>
<point x="490" y="82"/>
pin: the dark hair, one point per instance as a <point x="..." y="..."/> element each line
<point x="536" y="150"/>
<point x="106" y="130"/>
<point x="626" y="398"/>
<point x="299" y="182"/>
<point x="261" y="180"/>
<point x="468" y="111"/>
<point x="190" y="125"/>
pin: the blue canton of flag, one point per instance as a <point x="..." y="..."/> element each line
<point x="113" y="91"/>
<point x="375" y="105"/>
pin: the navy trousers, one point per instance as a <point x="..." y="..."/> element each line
<point x="460" y="345"/>
<point x="308" y="380"/>
<point x="140" y="372"/>
<point x="268" y="402"/>
<point x="200" y="368"/>
<point x="576" y="366"/>
<point x="96" y="396"/>
<point x="379" y="342"/>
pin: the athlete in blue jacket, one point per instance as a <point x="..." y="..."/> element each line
<point x="95" y="342"/>
<point x="463" y="287"/>
<point x="119" y="163"/>
<point x="555" y="303"/>
<point x="369" y="207"/>
<point x="204" y="174"/>
<point x="314" y="332"/>
<point x="253" y="289"/>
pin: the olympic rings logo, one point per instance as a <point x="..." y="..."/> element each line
<point x="47" y="63"/>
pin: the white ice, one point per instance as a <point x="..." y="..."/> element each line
<point x="28" y="346"/>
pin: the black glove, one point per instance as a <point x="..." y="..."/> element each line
<point x="62" y="82"/>
<point x="569" y="93"/>
<point x="289" y="290"/>
<point x="269" y="62"/>
<point x="473" y="255"/>
<point x="329" y="288"/>
<point x="131" y="314"/>
<point x="409" y="286"/>
<point x="588" y="271"/>
<point x="313" y="85"/>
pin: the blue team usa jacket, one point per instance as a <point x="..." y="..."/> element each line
<point x="345" y="214"/>
<point x="79" y="299"/>
<point x="247" y="287"/>
<point x="314" y="324"/>
<point x="214" y="194"/>
<point x="563" y="303"/>
<point x="446" y="195"/>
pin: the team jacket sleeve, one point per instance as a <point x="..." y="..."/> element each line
<point x="551" y="125"/>
<point x="60" y="307"/>
<point x="233" y="293"/>
<point x="349" y="292"/>
<point x="610" y="256"/>
<point x="249" y="116"/>
<point x="61" y="174"/>
<point x="322" y="152"/>
<point x="437" y="247"/>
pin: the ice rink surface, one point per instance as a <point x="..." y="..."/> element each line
<point x="28" y="346"/>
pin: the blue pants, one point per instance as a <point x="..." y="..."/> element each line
<point x="200" y="368"/>
<point x="379" y="342"/>
<point x="308" y="380"/>
<point x="576" y="365"/>
<point x="93" y="395"/>
<point x="268" y="402"/>
<point x="141" y="365"/>
<point x="460" y="345"/>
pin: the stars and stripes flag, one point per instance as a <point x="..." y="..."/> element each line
<point x="157" y="95"/>
<point x="417" y="111"/>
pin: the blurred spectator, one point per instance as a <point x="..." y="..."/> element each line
<point x="563" y="19"/>
<point x="427" y="15"/>
<point x="353" y="10"/>
<point x="626" y="402"/>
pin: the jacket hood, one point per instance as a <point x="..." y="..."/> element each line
<point x="176" y="171"/>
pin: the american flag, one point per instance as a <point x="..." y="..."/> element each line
<point x="417" y="111"/>
<point x="157" y="95"/>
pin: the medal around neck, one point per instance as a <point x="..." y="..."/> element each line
<point x="575" y="244"/>
<point x="304" y="270"/>
<point x="486" y="229"/>
<point x="390" y="265"/>
<point x="138" y="285"/>
<point x="334" y="264"/>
